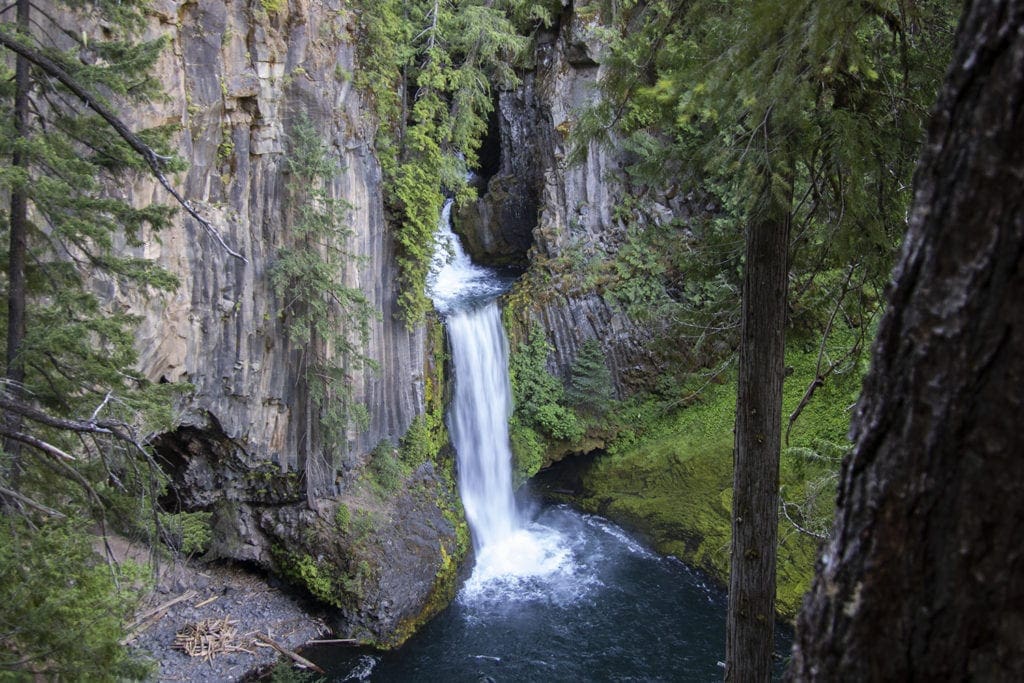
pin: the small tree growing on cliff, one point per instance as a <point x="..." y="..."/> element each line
<point x="590" y="388"/>
<point x="326" y="319"/>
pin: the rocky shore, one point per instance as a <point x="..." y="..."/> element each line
<point x="242" y="609"/>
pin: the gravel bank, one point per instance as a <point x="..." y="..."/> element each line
<point x="253" y="606"/>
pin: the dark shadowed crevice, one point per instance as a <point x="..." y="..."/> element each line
<point x="497" y="230"/>
<point x="206" y="466"/>
<point x="489" y="154"/>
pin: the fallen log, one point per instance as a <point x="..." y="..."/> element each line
<point x="295" y="657"/>
<point x="147" y="619"/>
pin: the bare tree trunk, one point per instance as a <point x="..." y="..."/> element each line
<point x="17" y="250"/>
<point x="758" y="433"/>
<point x="924" y="577"/>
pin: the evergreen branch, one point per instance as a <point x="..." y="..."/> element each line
<point x="156" y="162"/>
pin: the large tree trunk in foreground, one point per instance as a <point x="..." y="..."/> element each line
<point x="750" y="632"/>
<point x="924" y="577"/>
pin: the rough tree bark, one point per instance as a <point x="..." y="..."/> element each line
<point x="924" y="577"/>
<point x="17" y="249"/>
<point x="758" y="434"/>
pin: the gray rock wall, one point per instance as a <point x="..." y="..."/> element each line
<point x="572" y="206"/>
<point x="236" y="79"/>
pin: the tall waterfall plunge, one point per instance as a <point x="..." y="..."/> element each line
<point x="478" y="418"/>
<point x="555" y="595"/>
<point x="507" y="549"/>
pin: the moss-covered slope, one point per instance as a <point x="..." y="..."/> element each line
<point x="672" y="480"/>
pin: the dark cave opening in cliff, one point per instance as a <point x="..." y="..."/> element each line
<point x="489" y="154"/>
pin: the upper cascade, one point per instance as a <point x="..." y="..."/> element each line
<point x="454" y="281"/>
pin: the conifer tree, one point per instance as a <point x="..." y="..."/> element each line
<point x="804" y="119"/>
<point x="67" y="351"/>
<point x="922" y="578"/>
<point x="74" y="408"/>
<point x="590" y="384"/>
<point x="325" y="317"/>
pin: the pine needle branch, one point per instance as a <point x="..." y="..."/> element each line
<point x="156" y="162"/>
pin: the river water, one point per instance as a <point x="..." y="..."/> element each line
<point x="553" y="594"/>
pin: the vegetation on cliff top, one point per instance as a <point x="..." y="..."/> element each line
<point x="430" y="69"/>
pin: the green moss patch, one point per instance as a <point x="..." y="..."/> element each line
<point x="671" y="478"/>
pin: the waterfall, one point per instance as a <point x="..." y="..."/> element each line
<point x="478" y="417"/>
<point x="511" y="557"/>
<point x="478" y="421"/>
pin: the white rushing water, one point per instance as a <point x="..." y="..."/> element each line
<point x="509" y="553"/>
<point x="554" y="595"/>
<point x="478" y="419"/>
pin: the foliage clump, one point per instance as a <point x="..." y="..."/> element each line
<point x="539" y="396"/>
<point x="64" y="607"/>
<point x="187" y="532"/>
<point x="386" y="467"/>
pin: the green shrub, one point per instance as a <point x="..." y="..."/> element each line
<point x="539" y="396"/>
<point x="558" y="422"/>
<point x="527" y="452"/>
<point x="386" y="467"/>
<point x="64" y="607"/>
<point x="274" y="6"/>
<point x="187" y="532"/>
<point x="342" y="517"/>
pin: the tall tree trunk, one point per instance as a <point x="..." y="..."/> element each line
<point x="751" y="620"/>
<point x="924" y="577"/>
<point x="16" y="287"/>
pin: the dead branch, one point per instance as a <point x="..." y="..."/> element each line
<point x="819" y="376"/>
<point x="208" y="638"/>
<point x="802" y="529"/>
<point x="295" y="657"/>
<point x="187" y="595"/>
<point x="21" y="498"/>
<point x="39" y="443"/>
<point x="11" y="405"/>
<point x="150" y="617"/>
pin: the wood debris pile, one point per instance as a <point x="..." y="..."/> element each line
<point x="209" y="638"/>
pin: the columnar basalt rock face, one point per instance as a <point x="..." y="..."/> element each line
<point x="572" y="203"/>
<point x="237" y="78"/>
